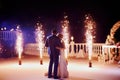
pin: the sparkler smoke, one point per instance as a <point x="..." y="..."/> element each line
<point x="90" y="27"/>
<point x="19" y="42"/>
<point x="65" y="31"/>
<point x="40" y="39"/>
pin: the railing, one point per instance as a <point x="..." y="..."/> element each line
<point x="79" y="50"/>
<point x="110" y="53"/>
<point x="7" y="35"/>
<point x="32" y="48"/>
<point x="104" y="53"/>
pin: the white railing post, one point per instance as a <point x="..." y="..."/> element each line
<point x="81" y="52"/>
<point x="72" y="48"/>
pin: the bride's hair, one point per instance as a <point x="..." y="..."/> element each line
<point x="60" y="35"/>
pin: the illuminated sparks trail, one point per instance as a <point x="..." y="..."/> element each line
<point x="19" y="43"/>
<point x="65" y="31"/>
<point x="40" y="39"/>
<point x="90" y="27"/>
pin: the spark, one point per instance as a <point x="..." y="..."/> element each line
<point x="90" y="27"/>
<point x="40" y="38"/>
<point x="19" y="42"/>
<point x="65" y="31"/>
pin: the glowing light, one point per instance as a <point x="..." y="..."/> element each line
<point x="65" y="31"/>
<point x="12" y="29"/>
<point x="19" y="43"/>
<point x="90" y="26"/>
<point x="72" y="38"/>
<point x="5" y="28"/>
<point x="1" y="28"/>
<point x="40" y="39"/>
<point x="18" y="26"/>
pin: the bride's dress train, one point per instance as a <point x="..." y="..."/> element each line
<point x="62" y="69"/>
<point x="63" y="72"/>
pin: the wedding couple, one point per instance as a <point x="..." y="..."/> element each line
<point x="57" y="65"/>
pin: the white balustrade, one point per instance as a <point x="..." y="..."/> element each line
<point x="78" y="50"/>
<point x="7" y="35"/>
<point x="75" y="49"/>
<point x="101" y="51"/>
<point x="109" y="51"/>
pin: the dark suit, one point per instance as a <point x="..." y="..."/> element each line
<point x="52" y="42"/>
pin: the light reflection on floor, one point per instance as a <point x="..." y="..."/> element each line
<point x="78" y="69"/>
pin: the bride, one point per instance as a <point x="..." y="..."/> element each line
<point x="62" y="69"/>
<point x="63" y="72"/>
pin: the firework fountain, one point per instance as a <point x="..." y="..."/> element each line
<point x="40" y="39"/>
<point x="65" y="31"/>
<point x="90" y="27"/>
<point x="19" y="43"/>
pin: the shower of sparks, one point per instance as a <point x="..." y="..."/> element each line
<point x="65" y="31"/>
<point x="90" y="27"/>
<point x="40" y="38"/>
<point x="19" y="42"/>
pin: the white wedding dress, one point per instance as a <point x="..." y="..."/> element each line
<point x="62" y="69"/>
<point x="63" y="72"/>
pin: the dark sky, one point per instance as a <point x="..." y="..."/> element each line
<point x="27" y="12"/>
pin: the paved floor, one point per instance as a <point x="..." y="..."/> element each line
<point x="31" y="69"/>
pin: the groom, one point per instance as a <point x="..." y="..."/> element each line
<point x="52" y="42"/>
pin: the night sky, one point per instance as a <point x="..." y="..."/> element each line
<point x="51" y="12"/>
